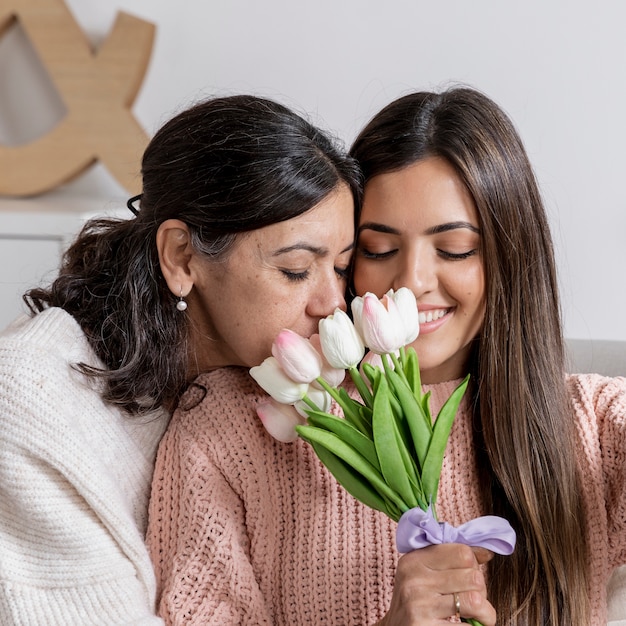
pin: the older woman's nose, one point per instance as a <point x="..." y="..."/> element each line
<point x="329" y="295"/>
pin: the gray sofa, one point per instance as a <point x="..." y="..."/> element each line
<point x="597" y="356"/>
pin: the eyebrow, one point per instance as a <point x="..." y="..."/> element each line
<point x="318" y="251"/>
<point x="434" y="230"/>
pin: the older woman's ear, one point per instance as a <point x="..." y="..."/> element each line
<point x="173" y="242"/>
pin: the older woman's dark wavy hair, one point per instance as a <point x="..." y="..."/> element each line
<point x="522" y="422"/>
<point x="224" y="166"/>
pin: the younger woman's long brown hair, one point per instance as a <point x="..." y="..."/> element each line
<point x="524" y="431"/>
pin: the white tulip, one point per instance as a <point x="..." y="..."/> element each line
<point x="319" y="397"/>
<point x="341" y="343"/>
<point x="274" y="381"/>
<point x="332" y="375"/>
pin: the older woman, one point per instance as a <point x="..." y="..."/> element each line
<point x="245" y="225"/>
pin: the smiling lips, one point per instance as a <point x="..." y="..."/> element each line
<point x="432" y="319"/>
<point x="432" y="316"/>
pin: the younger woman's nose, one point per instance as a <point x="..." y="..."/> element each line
<point x="418" y="274"/>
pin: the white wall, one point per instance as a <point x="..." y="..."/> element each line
<point x="556" y="66"/>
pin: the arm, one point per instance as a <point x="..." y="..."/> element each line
<point x="198" y="540"/>
<point x="611" y="405"/>
<point x="600" y="407"/>
<point x="70" y="551"/>
<point x="611" y="411"/>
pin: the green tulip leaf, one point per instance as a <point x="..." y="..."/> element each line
<point x="361" y="386"/>
<point x="350" y="456"/>
<point x="389" y="444"/>
<point x="412" y="371"/>
<point x="366" y="419"/>
<point x="419" y="423"/>
<point x="341" y="397"/>
<point x="436" y="450"/>
<point x="346" y="432"/>
<point x="352" y="481"/>
<point x="372" y="373"/>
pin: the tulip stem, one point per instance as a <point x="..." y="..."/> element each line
<point x="362" y="388"/>
<point x="334" y="394"/>
<point x="398" y="365"/>
<point x="310" y="403"/>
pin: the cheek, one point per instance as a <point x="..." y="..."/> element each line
<point x="474" y="304"/>
<point x="469" y="286"/>
<point x="266" y="324"/>
<point x="254" y="344"/>
<point x="370" y="277"/>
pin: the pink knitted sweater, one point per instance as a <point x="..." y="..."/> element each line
<point x="245" y="530"/>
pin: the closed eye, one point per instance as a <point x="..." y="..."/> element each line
<point x="367" y="254"/>
<point x="295" y="276"/>
<point x="342" y="272"/>
<point x="456" y="256"/>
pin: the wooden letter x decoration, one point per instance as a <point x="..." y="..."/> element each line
<point x="98" y="90"/>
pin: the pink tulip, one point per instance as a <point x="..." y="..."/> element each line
<point x="375" y="360"/>
<point x="274" y="381"/>
<point x="297" y="357"/>
<point x="280" y="420"/>
<point x="332" y="375"/>
<point x="407" y="306"/>
<point x="381" y="324"/>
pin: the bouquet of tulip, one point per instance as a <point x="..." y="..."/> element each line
<point x="386" y="450"/>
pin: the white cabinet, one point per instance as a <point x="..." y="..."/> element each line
<point x="33" y="235"/>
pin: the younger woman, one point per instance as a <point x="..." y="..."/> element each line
<point x="451" y="209"/>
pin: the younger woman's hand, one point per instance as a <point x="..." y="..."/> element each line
<point x="428" y="579"/>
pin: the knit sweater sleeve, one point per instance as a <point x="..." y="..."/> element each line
<point x="197" y="533"/>
<point x="600" y="406"/>
<point x="71" y="552"/>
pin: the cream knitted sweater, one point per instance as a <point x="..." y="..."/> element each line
<point x="244" y="530"/>
<point x="74" y="482"/>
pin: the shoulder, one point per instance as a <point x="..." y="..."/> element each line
<point x="49" y="337"/>
<point x="599" y="407"/>
<point x="38" y="382"/>
<point x="598" y="397"/>
<point x="50" y="409"/>
<point x="217" y="381"/>
<point x="61" y="446"/>
<point x="219" y="405"/>
<point x="216" y="426"/>
<point x="227" y="388"/>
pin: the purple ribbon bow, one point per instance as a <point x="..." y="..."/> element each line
<point x="418" y="528"/>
